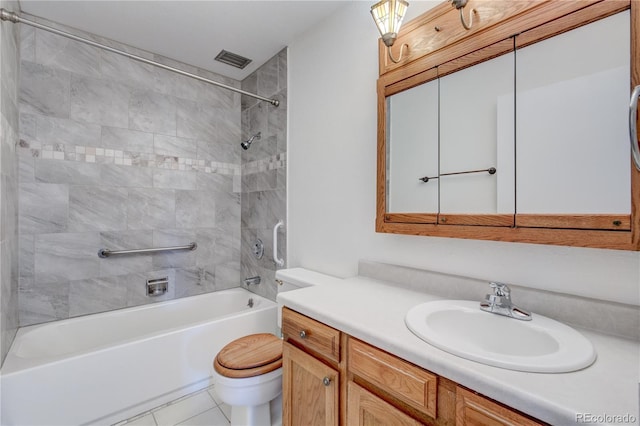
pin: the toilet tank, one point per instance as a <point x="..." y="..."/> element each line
<point x="297" y="278"/>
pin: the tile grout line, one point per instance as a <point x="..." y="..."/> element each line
<point x="167" y="404"/>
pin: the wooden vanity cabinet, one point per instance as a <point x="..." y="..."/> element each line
<point x="330" y="378"/>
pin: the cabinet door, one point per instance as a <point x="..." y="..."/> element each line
<point x="366" y="409"/>
<point x="476" y="133"/>
<point x="572" y="126"/>
<point x="475" y="410"/>
<point x="310" y="390"/>
<point x="412" y="150"/>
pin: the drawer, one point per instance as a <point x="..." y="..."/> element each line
<point x="311" y="334"/>
<point x="473" y="409"/>
<point x="408" y="383"/>
<point x="364" y="408"/>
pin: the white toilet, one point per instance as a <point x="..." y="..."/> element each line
<point x="248" y="371"/>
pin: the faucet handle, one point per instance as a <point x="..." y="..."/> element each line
<point x="500" y="289"/>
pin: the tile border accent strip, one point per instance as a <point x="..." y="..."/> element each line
<point x="92" y="154"/>
<point x="273" y="162"/>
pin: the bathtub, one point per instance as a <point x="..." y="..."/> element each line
<point x="103" y="368"/>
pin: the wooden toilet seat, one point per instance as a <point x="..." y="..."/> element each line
<point x="249" y="356"/>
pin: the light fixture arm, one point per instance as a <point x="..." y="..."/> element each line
<point x="464" y="24"/>
<point x="460" y="4"/>
<point x="402" y="48"/>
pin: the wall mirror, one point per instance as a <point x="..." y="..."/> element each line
<point x="519" y="137"/>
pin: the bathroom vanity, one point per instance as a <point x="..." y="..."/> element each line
<point x="375" y="386"/>
<point x="350" y="359"/>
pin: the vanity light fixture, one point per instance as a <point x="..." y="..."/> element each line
<point x="388" y="15"/>
<point x="460" y="4"/>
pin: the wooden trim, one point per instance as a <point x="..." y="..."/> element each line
<point x="601" y="221"/>
<point x="411" y="217"/>
<point x="570" y="22"/>
<point x="619" y="240"/>
<point x="381" y="184"/>
<point x="425" y="41"/>
<point x="408" y="83"/>
<point x="476" y="219"/>
<point x="473" y="58"/>
<point x="529" y="15"/>
<point x="344" y="377"/>
<point x="493" y="51"/>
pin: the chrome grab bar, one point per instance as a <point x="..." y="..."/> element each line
<point x="107" y="253"/>
<point x="633" y="127"/>
<point x="278" y="261"/>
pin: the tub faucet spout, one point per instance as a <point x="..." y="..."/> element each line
<point x="253" y="280"/>
<point x="500" y="303"/>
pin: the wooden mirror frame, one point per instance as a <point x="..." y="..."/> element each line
<point x="437" y="39"/>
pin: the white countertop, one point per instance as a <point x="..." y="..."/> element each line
<point x="374" y="311"/>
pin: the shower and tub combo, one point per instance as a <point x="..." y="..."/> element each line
<point x="104" y="368"/>
<point x="101" y="368"/>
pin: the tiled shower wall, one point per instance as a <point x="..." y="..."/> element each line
<point x="118" y="154"/>
<point x="264" y="185"/>
<point x="9" y="72"/>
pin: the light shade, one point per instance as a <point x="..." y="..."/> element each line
<point x="388" y="15"/>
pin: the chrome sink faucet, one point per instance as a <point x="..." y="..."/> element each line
<point x="500" y="303"/>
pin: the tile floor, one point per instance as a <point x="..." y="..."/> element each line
<point x="196" y="409"/>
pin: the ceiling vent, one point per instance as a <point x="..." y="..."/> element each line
<point x="232" y="59"/>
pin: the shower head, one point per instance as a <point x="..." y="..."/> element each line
<point x="246" y="144"/>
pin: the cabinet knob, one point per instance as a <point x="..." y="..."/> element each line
<point x="303" y="334"/>
<point x="326" y="381"/>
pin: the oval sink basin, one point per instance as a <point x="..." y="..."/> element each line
<point x="541" y="345"/>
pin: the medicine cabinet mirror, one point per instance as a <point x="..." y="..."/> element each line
<point x="517" y="130"/>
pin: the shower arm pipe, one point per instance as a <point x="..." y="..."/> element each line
<point x="5" y="15"/>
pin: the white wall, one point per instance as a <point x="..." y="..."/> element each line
<point x="332" y="181"/>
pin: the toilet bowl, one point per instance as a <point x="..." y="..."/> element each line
<point x="248" y="376"/>
<point x="248" y="371"/>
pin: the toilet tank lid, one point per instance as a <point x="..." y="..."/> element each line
<point x="302" y="277"/>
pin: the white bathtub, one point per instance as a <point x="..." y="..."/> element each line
<point x="103" y="368"/>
